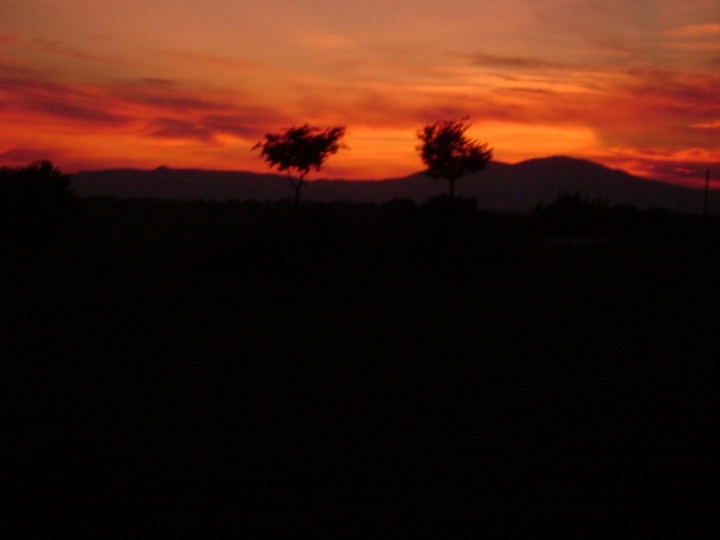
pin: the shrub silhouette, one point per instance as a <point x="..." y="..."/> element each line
<point x="396" y="224"/>
<point x="454" y="231"/>
<point x="571" y="216"/>
<point x="622" y="224"/>
<point x="35" y="203"/>
<point x="305" y="245"/>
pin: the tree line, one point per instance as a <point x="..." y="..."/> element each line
<point x="36" y="200"/>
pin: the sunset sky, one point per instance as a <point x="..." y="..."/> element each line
<point x="633" y="84"/>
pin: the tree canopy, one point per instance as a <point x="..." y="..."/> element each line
<point x="301" y="149"/>
<point x="448" y="153"/>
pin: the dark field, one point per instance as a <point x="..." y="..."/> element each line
<point x="346" y="369"/>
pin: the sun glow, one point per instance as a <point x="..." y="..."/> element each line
<point x="138" y="84"/>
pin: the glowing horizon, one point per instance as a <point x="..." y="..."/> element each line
<point x="632" y="85"/>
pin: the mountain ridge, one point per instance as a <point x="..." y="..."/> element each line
<point x="500" y="187"/>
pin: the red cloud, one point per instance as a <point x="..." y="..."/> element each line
<point x="23" y="156"/>
<point x="157" y="109"/>
<point x="631" y="112"/>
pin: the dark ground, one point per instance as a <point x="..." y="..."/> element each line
<point x="159" y="382"/>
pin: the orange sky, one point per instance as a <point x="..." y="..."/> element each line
<point x="634" y="84"/>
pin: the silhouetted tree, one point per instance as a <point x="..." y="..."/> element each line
<point x="35" y="201"/>
<point x="448" y="153"/>
<point x="300" y="149"/>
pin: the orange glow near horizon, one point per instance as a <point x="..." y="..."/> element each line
<point x="195" y="85"/>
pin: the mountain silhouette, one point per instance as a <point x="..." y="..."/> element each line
<point x="500" y="187"/>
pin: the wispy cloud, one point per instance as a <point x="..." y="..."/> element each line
<point x="11" y="67"/>
<point x="55" y="47"/>
<point x="512" y="62"/>
<point x="697" y="30"/>
<point x="247" y="122"/>
<point x="685" y="167"/>
<point x="707" y="125"/>
<point x="210" y="59"/>
<point x="77" y="113"/>
<point x="175" y="101"/>
<point x="75" y="104"/>
<point x="143" y="109"/>
<point x="172" y="128"/>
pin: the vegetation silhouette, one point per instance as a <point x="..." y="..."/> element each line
<point x="307" y="247"/>
<point x="456" y="234"/>
<point x="242" y="353"/>
<point x="571" y="216"/>
<point x="35" y="204"/>
<point x="448" y="153"/>
<point x="301" y="149"/>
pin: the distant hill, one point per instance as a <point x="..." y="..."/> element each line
<point x="499" y="187"/>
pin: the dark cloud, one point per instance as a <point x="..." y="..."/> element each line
<point x="518" y="62"/>
<point x="687" y="168"/>
<point x="16" y="85"/>
<point x="177" y="102"/>
<point x="22" y="90"/>
<point x="235" y="126"/>
<point x="674" y="98"/>
<point x="521" y="90"/>
<point x="160" y="105"/>
<point x="12" y="69"/>
<point x="171" y="128"/>
<point x="154" y="82"/>
<point x="59" y="101"/>
<point x="682" y="170"/>
<point x="78" y="112"/>
<point x="246" y="122"/>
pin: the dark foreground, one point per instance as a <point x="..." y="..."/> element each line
<point x="565" y="397"/>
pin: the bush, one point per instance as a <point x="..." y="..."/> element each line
<point x="35" y="204"/>
<point x="570" y="217"/>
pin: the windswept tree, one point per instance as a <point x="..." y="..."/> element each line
<point x="300" y="149"/>
<point x="448" y="153"/>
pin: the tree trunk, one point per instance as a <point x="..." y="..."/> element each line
<point x="452" y="189"/>
<point x="298" y="187"/>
